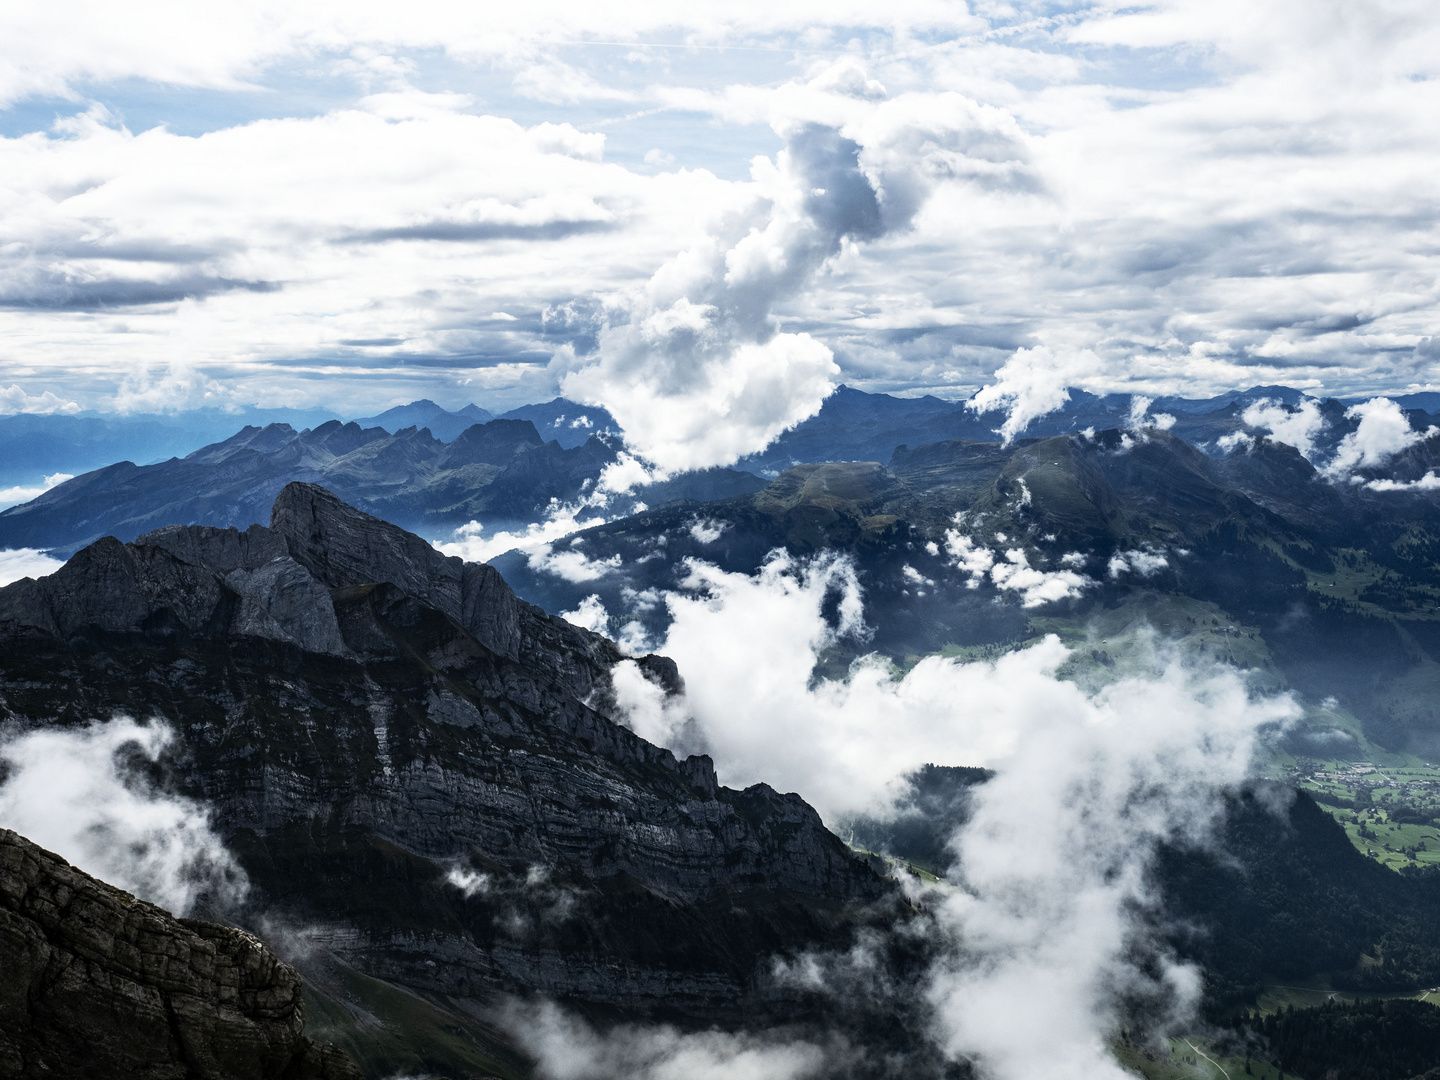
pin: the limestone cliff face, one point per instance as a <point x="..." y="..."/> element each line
<point x="416" y="766"/>
<point x="96" y="983"/>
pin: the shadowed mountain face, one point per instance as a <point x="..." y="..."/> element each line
<point x="417" y="767"/>
<point x="99" y="984"/>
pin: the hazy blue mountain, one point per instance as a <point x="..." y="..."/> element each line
<point x="442" y="423"/>
<point x="34" y="446"/>
<point x="1430" y="402"/>
<point x="502" y="472"/>
<point x="567" y="422"/>
<point x="855" y="426"/>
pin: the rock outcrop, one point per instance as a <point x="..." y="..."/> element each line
<point x="96" y="983"/>
<point x="419" y="767"/>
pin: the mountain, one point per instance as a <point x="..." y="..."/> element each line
<point x="35" y="446"/>
<point x="567" y="422"/>
<point x="420" y="770"/>
<point x="502" y="472"/>
<point x="1334" y="589"/>
<point x="98" y="983"/>
<point x="441" y="423"/>
<point x="855" y="426"/>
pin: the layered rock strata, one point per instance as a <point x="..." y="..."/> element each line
<point x="97" y="983"/>
<point x="417" y="767"/>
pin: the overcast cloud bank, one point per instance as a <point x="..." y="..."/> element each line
<point x="1177" y="197"/>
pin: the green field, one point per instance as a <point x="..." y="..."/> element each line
<point x="1191" y="1058"/>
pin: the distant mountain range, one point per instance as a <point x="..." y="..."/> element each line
<point x="501" y="471"/>
<point x="433" y="470"/>
<point x="1332" y="588"/>
<point x="33" y="446"/>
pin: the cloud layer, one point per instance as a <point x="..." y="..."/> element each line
<point x="1176" y="197"/>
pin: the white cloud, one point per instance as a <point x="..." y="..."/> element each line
<point x="1011" y="570"/>
<point x="1140" y="418"/>
<point x="572" y="564"/>
<point x="473" y="544"/>
<point x="1428" y="482"/>
<point x="15" y="400"/>
<point x="470" y="882"/>
<point x="567" y="1048"/>
<point x="1383" y="432"/>
<point x="699" y="372"/>
<point x="1256" y="212"/>
<point x="1033" y="383"/>
<point x="22" y="493"/>
<point x="589" y="614"/>
<point x="17" y="563"/>
<point x="1036" y="586"/>
<point x="1139" y="561"/>
<point x="1055" y="868"/>
<point x="645" y="708"/>
<point x="1298" y="427"/>
<point x="69" y="792"/>
<point x="707" y="531"/>
<point x="1041" y="939"/>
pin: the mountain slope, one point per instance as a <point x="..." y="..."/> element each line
<point x="417" y="766"/>
<point x="97" y="983"/>
<point x="962" y="544"/>
<point x="502" y="470"/>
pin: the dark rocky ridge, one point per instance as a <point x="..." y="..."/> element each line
<point x="97" y="983"/>
<point x="366" y="716"/>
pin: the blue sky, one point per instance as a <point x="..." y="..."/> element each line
<point x="352" y="206"/>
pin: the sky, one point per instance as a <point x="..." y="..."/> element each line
<point x="707" y="216"/>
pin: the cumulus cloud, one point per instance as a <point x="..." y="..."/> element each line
<point x="589" y="614"/>
<point x="1184" y="234"/>
<point x="572" y="563"/>
<point x="17" y="563"/>
<point x="1054" y="861"/>
<point x="707" y="531"/>
<point x="700" y="373"/>
<point x="1298" y="427"/>
<point x="1139" y="561"/>
<point x="22" y="493"/>
<point x="645" y="708"/>
<point x="1383" y="432"/>
<point x="1046" y="922"/>
<point x="1034" y="585"/>
<point x="1011" y="571"/>
<point x="747" y="647"/>
<point x="1139" y="418"/>
<point x="15" y="400"/>
<point x="81" y="794"/>
<point x="1033" y="383"/>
